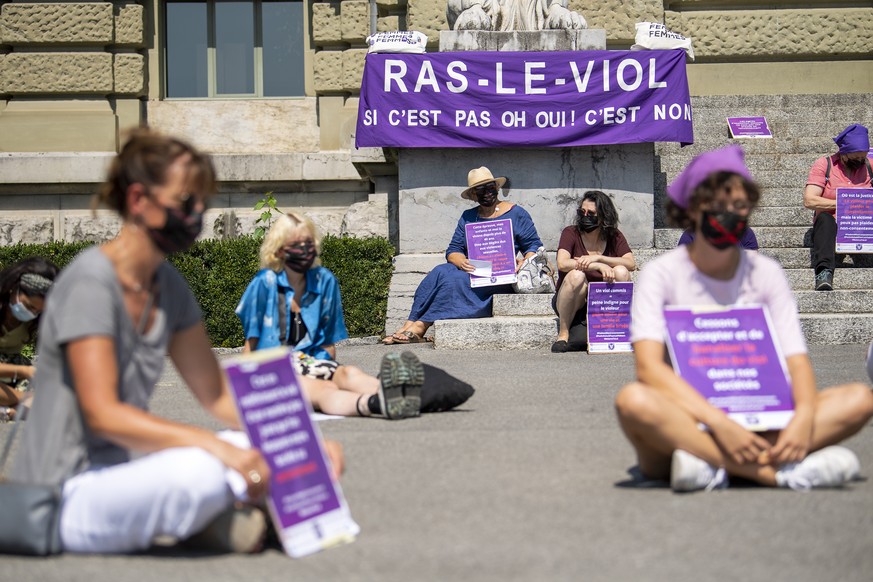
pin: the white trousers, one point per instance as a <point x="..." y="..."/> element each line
<point x="123" y="508"/>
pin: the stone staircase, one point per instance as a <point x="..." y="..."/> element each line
<point x="803" y="127"/>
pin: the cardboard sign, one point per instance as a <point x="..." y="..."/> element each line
<point x="749" y="128"/>
<point x="609" y="317"/>
<point x="492" y="242"/>
<point x="854" y="220"/>
<point x="306" y="504"/>
<point x="730" y="355"/>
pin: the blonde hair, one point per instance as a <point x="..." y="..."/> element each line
<point x="288" y="225"/>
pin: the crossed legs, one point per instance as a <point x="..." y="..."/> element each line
<point x="656" y="427"/>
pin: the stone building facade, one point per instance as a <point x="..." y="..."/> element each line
<point x="74" y="75"/>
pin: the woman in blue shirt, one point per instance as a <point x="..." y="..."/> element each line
<point x="295" y="301"/>
<point x="445" y="293"/>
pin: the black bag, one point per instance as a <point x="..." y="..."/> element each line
<point x="441" y="391"/>
<point x="29" y="514"/>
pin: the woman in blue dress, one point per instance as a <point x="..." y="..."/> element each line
<point x="445" y="293"/>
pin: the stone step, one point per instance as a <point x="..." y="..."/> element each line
<point x="768" y="236"/>
<point x="525" y="333"/>
<point x="717" y="137"/>
<point x="788" y="197"/>
<point x="797" y="164"/>
<point x="776" y="115"/>
<point x="789" y="258"/>
<point x="781" y="101"/>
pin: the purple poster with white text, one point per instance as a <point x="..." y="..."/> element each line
<point x="609" y="317"/>
<point x="749" y="127"/>
<point x="492" y="241"/>
<point x="524" y="99"/>
<point x="731" y="357"/>
<point x="854" y="220"/>
<point x="306" y="503"/>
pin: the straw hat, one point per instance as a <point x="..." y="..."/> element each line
<point x="477" y="177"/>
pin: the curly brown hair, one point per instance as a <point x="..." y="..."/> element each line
<point x="705" y="193"/>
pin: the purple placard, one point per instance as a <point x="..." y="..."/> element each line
<point x="306" y="503"/>
<point x="492" y="241"/>
<point x="609" y="317"/>
<point x="749" y="127"/>
<point x="854" y="220"/>
<point x="524" y="99"/>
<point x="731" y="357"/>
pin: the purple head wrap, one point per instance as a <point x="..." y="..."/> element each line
<point x="854" y="138"/>
<point x="726" y="159"/>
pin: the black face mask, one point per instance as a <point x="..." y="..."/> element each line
<point x="300" y="259"/>
<point x="586" y="222"/>
<point x="180" y="230"/>
<point x="853" y="164"/>
<point x="724" y="229"/>
<point x="487" y="197"/>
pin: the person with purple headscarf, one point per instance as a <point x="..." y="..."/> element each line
<point x="848" y="168"/>
<point x="678" y="434"/>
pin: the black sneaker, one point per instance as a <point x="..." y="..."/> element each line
<point x="401" y="378"/>
<point x="824" y="280"/>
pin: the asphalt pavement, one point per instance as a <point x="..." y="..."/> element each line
<point x="529" y="481"/>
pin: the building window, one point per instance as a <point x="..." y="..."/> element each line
<point x="234" y="48"/>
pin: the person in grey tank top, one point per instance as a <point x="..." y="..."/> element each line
<point x="111" y="318"/>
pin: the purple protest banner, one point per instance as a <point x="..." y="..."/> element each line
<point x="731" y="357"/>
<point x="524" y="99"/>
<point x="748" y="127"/>
<point x="306" y="504"/>
<point x="854" y="220"/>
<point x="609" y="317"/>
<point x="492" y="241"/>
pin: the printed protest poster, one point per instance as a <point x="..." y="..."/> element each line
<point x="609" y="317"/>
<point x="476" y="99"/>
<point x="855" y="220"/>
<point x="491" y="242"/>
<point x="749" y="128"/>
<point x="306" y="504"/>
<point x="732" y="358"/>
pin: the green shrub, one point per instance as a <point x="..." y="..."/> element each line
<point x="218" y="272"/>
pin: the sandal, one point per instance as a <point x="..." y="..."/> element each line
<point x="7" y="414"/>
<point x="409" y="337"/>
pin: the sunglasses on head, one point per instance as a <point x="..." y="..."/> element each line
<point x="490" y="187"/>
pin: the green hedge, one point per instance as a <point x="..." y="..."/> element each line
<point x="219" y="271"/>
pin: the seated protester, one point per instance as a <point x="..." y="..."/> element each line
<point x="23" y="288"/>
<point x="748" y="242"/>
<point x="590" y="251"/>
<point x="117" y="311"/>
<point x="848" y="168"/>
<point x="445" y="293"/>
<point x="294" y="301"/>
<point x="661" y="414"/>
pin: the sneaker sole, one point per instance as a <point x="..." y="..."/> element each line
<point x="237" y="530"/>
<point x="402" y="376"/>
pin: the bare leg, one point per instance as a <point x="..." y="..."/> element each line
<point x="622" y="275"/>
<point x="355" y="380"/>
<point x="327" y="397"/>
<point x="9" y="396"/>
<point x="840" y="412"/>
<point x="571" y="296"/>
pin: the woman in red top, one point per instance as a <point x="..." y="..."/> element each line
<point x="591" y="250"/>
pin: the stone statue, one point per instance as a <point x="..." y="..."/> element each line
<point x="510" y="15"/>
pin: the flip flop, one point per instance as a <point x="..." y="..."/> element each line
<point x="409" y="337"/>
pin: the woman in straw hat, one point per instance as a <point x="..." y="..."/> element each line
<point x="676" y="432"/>
<point x="445" y="293"/>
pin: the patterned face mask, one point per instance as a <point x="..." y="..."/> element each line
<point x="299" y="258"/>
<point x="723" y="229"/>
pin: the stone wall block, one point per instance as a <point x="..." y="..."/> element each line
<point x="618" y="17"/>
<point x="79" y="227"/>
<point x="129" y="72"/>
<point x="56" y="23"/>
<point x="388" y="24"/>
<point x="366" y="219"/>
<point x="427" y="16"/>
<point x="326" y="23"/>
<point x="353" y="69"/>
<point x="355" y="16"/>
<point x="328" y="71"/>
<point x="34" y="230"/>
<point x="776" y="33"/>
<point x="391" y="5"/>
<point x="69" y="73"/>
<point x="130" y="25"/>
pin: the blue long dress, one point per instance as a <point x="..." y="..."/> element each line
<point x="445" y="292"/>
